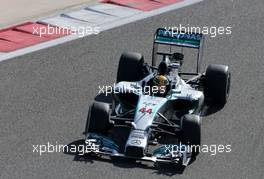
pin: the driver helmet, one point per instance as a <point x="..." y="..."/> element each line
<point x="161" y="81"/>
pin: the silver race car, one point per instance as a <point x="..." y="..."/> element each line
<point x="159" y="104"/>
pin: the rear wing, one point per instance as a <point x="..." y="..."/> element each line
<point x="178" y="38"/>
<point x="185" y="39"/>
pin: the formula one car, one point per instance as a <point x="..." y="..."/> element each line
<point x="158" y="102"/>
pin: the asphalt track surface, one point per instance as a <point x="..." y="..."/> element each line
<point x="45" y="96"/>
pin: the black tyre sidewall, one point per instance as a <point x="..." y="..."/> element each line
<point x="98" y="118"/>
<point x="130" y="67"/>
<point x="191" y="132"/>
<point x="217" y="84"/>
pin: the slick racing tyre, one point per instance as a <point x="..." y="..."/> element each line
<point x="191" y="132"/>
<point x="98" y="118"/>
<point x="130" y="67"/>
<point x="217" y="84"/>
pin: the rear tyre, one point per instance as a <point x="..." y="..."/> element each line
<point x="130" y="67"/>
<point x="191" y="132"/>
<point x="98" y="118"/>
<point x="217" y="84"/>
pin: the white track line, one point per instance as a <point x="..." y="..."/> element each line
<point x="6" y="56"/>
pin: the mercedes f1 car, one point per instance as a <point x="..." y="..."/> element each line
<point x="170" y="108"/>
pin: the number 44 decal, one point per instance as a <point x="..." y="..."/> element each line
<point x="145" y="110"/>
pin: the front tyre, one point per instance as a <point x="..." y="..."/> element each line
<point x="217" y="84"/>
<point x="191" y="132"/>
<point x="98" y="118"/>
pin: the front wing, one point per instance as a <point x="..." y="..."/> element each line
<point x="101" y="145"/>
